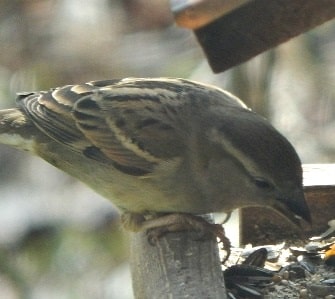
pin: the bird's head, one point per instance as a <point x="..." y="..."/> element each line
<point x="254" y="164"/>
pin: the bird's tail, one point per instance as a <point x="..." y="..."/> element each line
<point x="14" y="129"/>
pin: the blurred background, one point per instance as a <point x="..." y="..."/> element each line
<point x="59" y="239"/>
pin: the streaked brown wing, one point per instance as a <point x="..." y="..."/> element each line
<point x="132" y="124"/>
<point x="51" y="110"/>
<point x="129" y="125"/>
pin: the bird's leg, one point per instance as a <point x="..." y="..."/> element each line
<point x="132" y="221"/>
<point x="174" y="222"/>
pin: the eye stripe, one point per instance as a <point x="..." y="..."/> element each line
<point x="263" y="184"/>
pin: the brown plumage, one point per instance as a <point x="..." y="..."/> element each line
<point x="160" y="146"/>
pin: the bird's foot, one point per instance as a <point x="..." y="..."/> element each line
<point x="175" y="222"/>
<point x="132" y="221"/>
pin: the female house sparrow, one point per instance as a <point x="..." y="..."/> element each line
<point x="160" y="145"/>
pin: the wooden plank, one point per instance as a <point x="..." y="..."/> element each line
<point x="316" y="175"/>
<point x="193" y="14"/>
<point x="249" y="28"/>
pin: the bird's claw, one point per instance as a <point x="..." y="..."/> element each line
<point x="157" y="227"/>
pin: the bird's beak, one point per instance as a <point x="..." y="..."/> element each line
<point x="294" y="209"/>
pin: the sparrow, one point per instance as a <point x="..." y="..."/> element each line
<point x="163" y="150"/>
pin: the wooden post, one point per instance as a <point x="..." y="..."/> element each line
<point x="177" y="266"/>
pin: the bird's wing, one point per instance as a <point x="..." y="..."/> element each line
<point x="132" y="124"/>
<point x="51" y="110"/>
<point x="135" y="123"/>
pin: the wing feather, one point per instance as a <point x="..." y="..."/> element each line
<point x="133" y="124"/>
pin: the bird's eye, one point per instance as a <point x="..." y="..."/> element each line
<point x="263" y="184"/>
